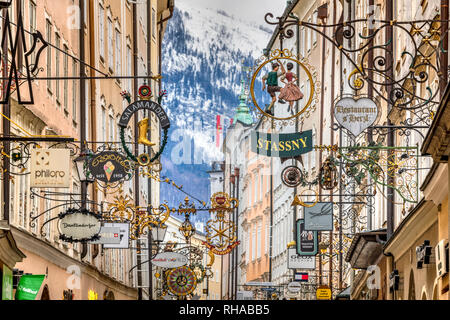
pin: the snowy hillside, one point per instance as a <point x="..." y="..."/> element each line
<point x="203" y="55"/>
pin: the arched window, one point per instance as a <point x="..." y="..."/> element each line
<point x="412" y="289"/>
<point x="45" y="293"/>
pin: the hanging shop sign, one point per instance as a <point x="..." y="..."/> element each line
<point x="92" y="295"/>
<point x="301" y="276"/>
<point x="423" y="254"/>
<point x="323" y="293"/>
<point x="7" y="283"/>
<point x="109" y="166"/>
<point x="272" y="70"/>
<point x="307" y="241"/>
<point x="244" y="295"/>
<point x="108" y="235"/>
<point x="292" y="176"/>
<point x="181" y="281"/>
<point x="294" y="287"/>
<point x="394" y="281"/>
<point x="124" y="235"/>
<point x="356" y="115"/>
<point x="77" y="225"/>
<point x="143" y="126"/>
<point x="284" y="145"/>
<point x="169" y="260"/>
<point x="319" y="217"/>
<point x="296" y="261"/>
<point x="50" y="168"/>
<point x="29" y="286"/>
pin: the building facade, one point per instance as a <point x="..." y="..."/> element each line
<point x="122" y="42"/>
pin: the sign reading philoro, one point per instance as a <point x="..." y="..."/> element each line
<point x="283" y="145"/>
<point x="50" y="168"/>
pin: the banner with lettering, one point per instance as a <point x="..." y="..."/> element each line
<point x="29" y="286"/>
<point x="283" y="145"/>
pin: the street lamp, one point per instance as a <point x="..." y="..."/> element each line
<point x="158" y="232"/>
<point x="82" y="167"/>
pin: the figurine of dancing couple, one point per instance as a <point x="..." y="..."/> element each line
<point x="290" y="92"/>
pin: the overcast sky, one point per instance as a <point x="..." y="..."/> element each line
<point x="253" y="10"/>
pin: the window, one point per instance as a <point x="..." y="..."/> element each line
<point x="101" y="31"/>
<point x="103" y="126"/>
<point x="32" y="17"/>
<point x="48" y="30"/>
<point x="110" y="45"/>
<point x="314" y="34"/>
<point x="66" y="82"/>
<point x="118" y="53"/>
<point x="267" y="238"/>
<point x="303" y="42"/>
<point x="57" y="53"/>
<point x="114" y="263"/>
<point x="111" y="128"/>
<point x="261" y="180"/>
<point x="249" y="193"/>
<point x="153" y="23"/>
<point x="258" y="240"/>
<point x="121" y="265"/>
<point x="253" y="243"/>
<point x="247" y="244"/>
<point x="107" y="261"/>
<point x="308" y="38"/>
<point x="255" y="185"/>
<point x="47" y="216"/>
<point x="74" y="91"/>
<point x="129" y="67"/>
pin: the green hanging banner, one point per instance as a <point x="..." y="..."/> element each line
<point x="7" y="284"/>
<point x="283" y="145"/>
<point x="29" y="286"/>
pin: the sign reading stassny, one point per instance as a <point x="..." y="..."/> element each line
<point x="283" y="145"/>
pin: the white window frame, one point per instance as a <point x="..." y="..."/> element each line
<point x="101" y="31"/>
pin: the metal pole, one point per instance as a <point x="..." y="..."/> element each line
<point x="443" y="58"/>
<point x="390" y="139"/>
<point x="136" y="146"/>
<point x="149" y="181"/>
<point x="7" y="132"/>
<point x="237" y="233"/>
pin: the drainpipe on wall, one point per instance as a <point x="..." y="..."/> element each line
<point x="136" y="145"/>
<point x="82" y="54"/>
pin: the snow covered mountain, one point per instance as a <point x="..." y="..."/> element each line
<point x="203" y="55"/>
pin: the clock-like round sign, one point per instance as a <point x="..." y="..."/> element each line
<point x="181" y="281"/>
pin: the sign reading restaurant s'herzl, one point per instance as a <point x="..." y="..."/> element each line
<point x="356" y="115"/>
<point x="109" y="166"/>
<point x="284" y="145"/>
<point x="50" y="168"/>
<point x="76" y="225"/>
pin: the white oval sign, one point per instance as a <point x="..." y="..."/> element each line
<point x="294" y="287"/>
<point x="79" y="226"/>
<point x="169" y="260"/>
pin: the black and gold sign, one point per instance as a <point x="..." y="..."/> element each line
<point x="284" y="145"/>
<point x="144" y="126"/>
<point x="109" y="166"/>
